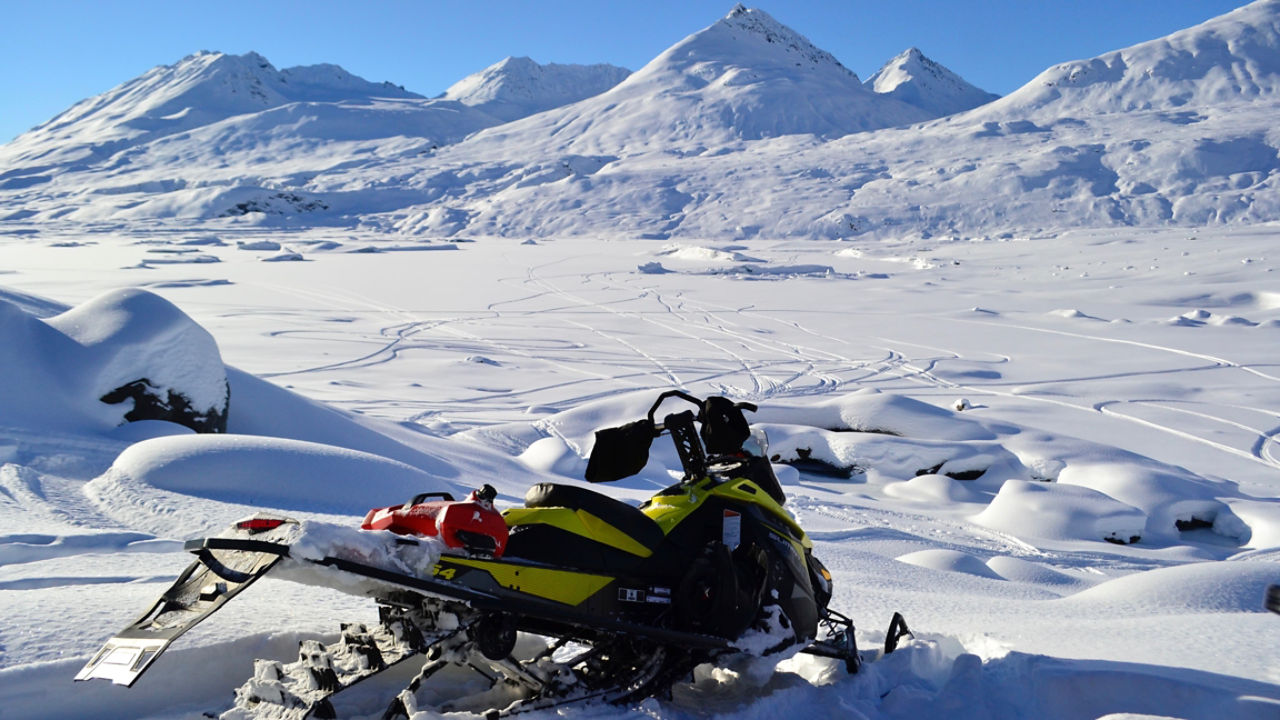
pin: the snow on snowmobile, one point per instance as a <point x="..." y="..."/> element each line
<point x="617" y="602"/>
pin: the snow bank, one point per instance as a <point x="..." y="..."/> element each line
<point x="871" y="411"/>
<point x="1217" y="587"/>
<point x="263" y="408"/>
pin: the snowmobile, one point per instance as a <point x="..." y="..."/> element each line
<point x="619" y="602"/>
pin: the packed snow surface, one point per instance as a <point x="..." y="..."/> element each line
<point x="1016" y="365"/>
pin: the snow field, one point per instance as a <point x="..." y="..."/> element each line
<point x="504" y="380"/>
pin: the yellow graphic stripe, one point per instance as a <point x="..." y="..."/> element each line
<point x="564" y="586"/>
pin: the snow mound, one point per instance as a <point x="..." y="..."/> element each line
<point x="269" y="410"/>
<point x="553" y="455"/>
<point x="1061" y="512"/>
<point x="123" y="356"/>
<point x="871" y="411"/>
<point x="931" y="488"/>
<point x="949" y="561"/>
<point x="887" y="456"/>
<point x="156" y="484"/>
<point x="1167" y="497"/>
<point x="704" y="254"/>
<point x="1026" y="571"/>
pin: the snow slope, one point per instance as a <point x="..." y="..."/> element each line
<point x="1226" y="60"/>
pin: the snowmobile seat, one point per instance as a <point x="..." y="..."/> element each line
<point x="617" y="537"/>
<point x="624" y="517"/>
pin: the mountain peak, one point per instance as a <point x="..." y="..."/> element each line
<point x="763" y="26"/>
<point x="915" y="79"/>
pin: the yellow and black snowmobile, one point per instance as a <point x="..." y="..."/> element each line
<point x="625" y="600"/>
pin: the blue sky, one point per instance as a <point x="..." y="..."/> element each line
<point x="54" y="53"/>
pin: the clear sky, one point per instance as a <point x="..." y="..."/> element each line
<point x="54" y="53"/>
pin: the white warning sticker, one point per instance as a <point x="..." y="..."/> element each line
<point x="731" y="533"/>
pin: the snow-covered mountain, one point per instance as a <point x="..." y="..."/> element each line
<point x="198" y="90"/>
<point x="1229" y="59"/>
<point x="916" y="80"/>
<point x="194" y="138"/>
<point x="745" y="77"/>
<point x="517" y="87"/>
<point x="1091" y="158"/>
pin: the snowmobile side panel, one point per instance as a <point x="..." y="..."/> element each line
<point x="562" y="586"/>
<point x="669" y="510"/>
<point x="521" y="603"/>
<point x="746" y="491"/>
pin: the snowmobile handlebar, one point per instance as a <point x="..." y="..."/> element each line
<point x="622" y="451"/>
<point x="701" y="404"/>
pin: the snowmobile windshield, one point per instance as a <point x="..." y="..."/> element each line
<point x="757" y="445"/>
<point x="757" y="466"/>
